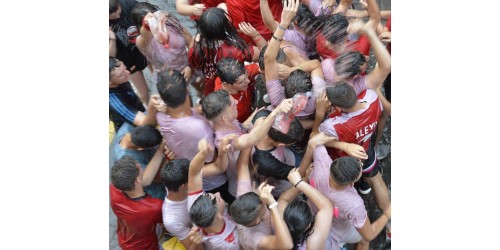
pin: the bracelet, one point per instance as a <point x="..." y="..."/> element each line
<point x="281" y="27"/>
<point x="258" y="39"/>
<point x="298" y="183"/>
<point x="275" y="204"/>
<point x="277" y="38"/>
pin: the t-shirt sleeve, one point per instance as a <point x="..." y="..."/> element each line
<point x="276" y="92"/>
<point x="128" y="112"/>
<point x="318" y="85"/>
<point x="268" y="165"/>
<point x="358" y="216"/>
<point x="327" y="128"/>
<point x="321" y="158"/>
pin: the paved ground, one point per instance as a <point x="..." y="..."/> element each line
<point x="373" y="212"/>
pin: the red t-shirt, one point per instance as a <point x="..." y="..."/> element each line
<point x="249" y="11"/>
<point x="244" y="98"/>
<point x="136" y="220"/>
<point x="362" y="45"/>
<point x="207" y="3"/>
<point x="209" y="69"/>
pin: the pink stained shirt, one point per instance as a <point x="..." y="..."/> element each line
<point x="182" y="136"/>
<point x="175" y="57"/>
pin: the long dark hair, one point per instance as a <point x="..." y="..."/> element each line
<point x="214" y="27"/>
<point x="143" y="8"/>
<point x="124" y="21"/>
<point x="300" y="221"/>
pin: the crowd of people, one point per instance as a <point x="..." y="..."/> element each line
<point x="266" y="129"/>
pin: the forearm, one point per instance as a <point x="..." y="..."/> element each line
<point x="308" y="66"/>
<point x="318" y="199"/>
<point x="267" y="15"/>
<point x="112" y="47"/>
<point x="259" y="41"/>
<point x="373" y="12"/>
<point x="289" y="195"/>
<point x="150" y="118"/>
<point x="187" y="37"/>
<point x="343" y="6"/>
<point x="184" y="8"/>
<point x="222" y="161"/>
<point x="306" y="160"/>
<point x="274" y="44"/>
<point x="318" y="119"/>
<point x="340" y="145"/>
<point x="153" y="167"/>
<point x="376" y="227"/>
<point x="282" y="234"/>
<point x="381" y="54"/>
<point x="258" y="132"/>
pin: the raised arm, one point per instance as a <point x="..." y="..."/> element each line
<point x="112" y="43"/>
<point x="249" y="30"/>
<point x="154" y="165"/>
<point x="281" y="238"/>
<point x="370" y="230"/>
<point x="195" y="179"/>
<point x="149" y="118"/>
<point x="184" y="8"/>
<point x="307" y="66"/>
<point x="343" y="6"/>
<point x="374" y="13"/>
<point x="267" y="16"/>
<point x="221" y="163"/>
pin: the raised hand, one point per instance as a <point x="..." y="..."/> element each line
<point x="248" y="29"/>
<point x="264" y="191"/>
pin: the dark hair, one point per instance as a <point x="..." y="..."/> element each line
<point x="295" y="133"/>
<point x="345" y="170"/>
<point x="143" y="8"/>
<point x="172" y="87"/>
<point x="342" y="95"/>
<point x="300" y="220"/>
<point x="259" y="114"/>
<point x="245" y="208"/>
<point x="124" y="20"/>
<point x="113" y="6"/>
<point x="175" y="173"/>
<point x="113" y="63"/>
<point x="203" y="211"/>
<point x="348" y="64"/>
<point x="335" y="28"/>
<point x="229" y="69"/>
<point x="299" y="81"/>
<point x="280" y="58"/>
<point x="214" y="27"/>
<point x="123" y="173"/>
<point x="306" y="20"/>
<point x="214" y="104"/>
<point x="145" y="136"/>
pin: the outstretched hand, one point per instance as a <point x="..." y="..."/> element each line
<point x="264" y="192"/>
<point x="204" y="147"/>
<point x="248" y="29"/>
<point x="290" y="8"/>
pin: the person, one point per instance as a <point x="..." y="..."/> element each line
<point x="257" y="214"/>
<point x="124" y="105"/>
<point x="239" y="81"/>
<point x="216" y="38"/>
<point x="220" y="108"/>
<point x="335" y="179"/>
<point x="308" y="230"/>
<point x="137" y="213"/>
<point x="123" y="48"/>
<point x="207" y="211"/>
<point x="357" y="124"/>
<point x="142" y="143"/>
<point x="194" y="8"/>
<point x="182" y="126"/>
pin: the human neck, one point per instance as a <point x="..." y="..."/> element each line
<point x="231" y="90"/>
<point x="223" y="125"/>
<point x="356" y="107"/>
<point x="126" y="142"/>
<point x="183" y="110"/>
<point x="216" y="226"/>
<point x="136" y="192"/>
<point x="177" y="196"/>
<point x="336" y="186"/>
<point x="266" y="143"/>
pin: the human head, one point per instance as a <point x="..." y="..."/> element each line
<point x="175" y="174"/>
<point x="349" y="64"/>
<point x="145" y="136"/>
<point x="219" y="104"/>
<point x="335" y="31"/>
<point x="118" y="72"/>
<point x="233" y="73"/>
<point x="299" y="81"/>
<point x="172" y="87"/>
<point x="306" y="20"/>
<point x="295" y="132"/>
<point x="140" y="10"/>
<point x="124" y="173"/>
<point x="205" y="208"/>
<point x="214" y="25"/>
<point x="247" y="209"/>
<point x="342" y="95"/>
<point x="299" y="220"/>
<point x="280" y="58"/>
<point x="114" y="9"/>
<point x="345" y="171"/>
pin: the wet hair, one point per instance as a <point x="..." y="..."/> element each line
<point x="342" y="95"/>
<point x="175" y="173"/>
<point x="295" y="133"/>
<point x="299" y="81"/>
<point x="124" y="20"/>
<point x="141" y="9"/>
<point x="245" y="208"/>
<point x="259" y="114"/>
<point x="348" y="64"/>
<point x="229" y="69"/>
<point x="214" y="27"/>
<point x="113" y="6"/>
<point x="145" y="136"/>
<point x="300" y="221"/>
<point x="124" y="173"/>
<point x="172" y="87"/>
<point x="280" y="58"/>
<point x="113" y="63"/>
<point x="214" y="104"/>
<point x="203" y="211"/>
<point x="335" y="27"/>
<point x="345" y="170"/>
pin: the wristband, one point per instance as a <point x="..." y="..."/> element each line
<point x="257" y="40"/>
<point x="281" y="27"/>
<point x="275" y="204"/>
<point x="298" y="183"/>
<point x="277" y="38"/>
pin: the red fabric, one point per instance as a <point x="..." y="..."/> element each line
<point x="207" y="3"/>
<point x="136" y="220"/>
<point x="249" y="11"/>
<point x="362" y="45"/>
<point x="209" y="69"/>
<point x="244" y="98"/>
